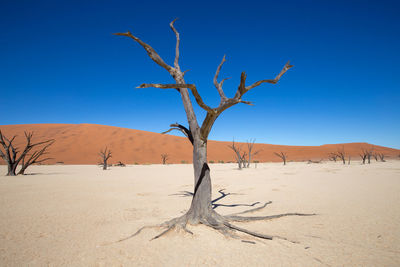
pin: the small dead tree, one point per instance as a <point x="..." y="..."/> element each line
<point x="164" y="158"/>
<point x="250" y="151"/>
<point x="200" y="211"/>
<point x="381" y="157"/>
<point x="375" y="155"/>
<point x="238" y="154"/>
<point x="35" y="157"/>
<point x="342" y="155"/>
<point x="105" y="155"/>
<point x="282" y="155"/>
<point x="10" y="153"/>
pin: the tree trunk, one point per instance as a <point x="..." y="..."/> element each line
<point x="200" y="207"/>
<point x="12" y="168"/>
<point x="105" y="165"/>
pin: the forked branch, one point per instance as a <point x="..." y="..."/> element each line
<point x="192" y="88"/>
<point x="217" y="84"/>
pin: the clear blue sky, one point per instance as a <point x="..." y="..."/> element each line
<point x="60" y="63"/>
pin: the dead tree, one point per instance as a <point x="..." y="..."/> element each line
<point x="105" y="155"/>
<point x="381" y="157"/>
<point x="369" y="154"/>
<point x="238" y="154"/>
<point x="10" y="153"/>
<point x="250" y="151"/>
<point x="342" y="155"/>
<point x="164" y="158"/>
<point x="332" y="157"/>
<point x="200" y="211"/>
<point x="366" y="155"/>
<point x="363" y="155"/>
<point x="244" y="161"/>
<point x="35" y="157"/>
<point x="282" y="155"/>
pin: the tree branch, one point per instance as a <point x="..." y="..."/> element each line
<point x="219" y="85"/>
<point x="176" y="61"/>
<point x="150" y="51"/>
<point x="192" y="88"/>
<point x="244" y="89"/>
<point x="182" y="129"/>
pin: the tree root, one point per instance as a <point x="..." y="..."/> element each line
<point x="220" y="223"/>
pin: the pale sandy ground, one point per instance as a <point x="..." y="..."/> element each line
<point x="66" y="215"/>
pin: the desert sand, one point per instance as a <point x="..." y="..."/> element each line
<point x="72" y="215"/>
<point x="81" y="143"/>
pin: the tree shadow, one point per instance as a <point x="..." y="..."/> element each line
<point x="40" y="173"/>
<point x="213" y="202"/>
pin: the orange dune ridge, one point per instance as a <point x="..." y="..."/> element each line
<point x="81" y="143"/>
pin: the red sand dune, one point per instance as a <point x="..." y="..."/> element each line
<point x="81" y="143"/>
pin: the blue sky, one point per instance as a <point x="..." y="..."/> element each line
<point x="60" y="63"/>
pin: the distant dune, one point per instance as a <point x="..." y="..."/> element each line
<point x="80" y="144"/>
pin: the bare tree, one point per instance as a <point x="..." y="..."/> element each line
<point x="164" y="158"/>
<point x="35" y="157"/>
<point x="381" y="157"/>
<point x="342" y="155"/>
<point x="333" y="157"/>
<point x="282" y="155"/>
<point x="10" y="153"/>
<point x="200" y="211"/>
<point x="363" y="155"/>
<point x="238" y="154"/>
<point x="375" y="155"/>
<point x="105" y="155"/>
<point x="369" y="154"/>
<point x="250" y="151"/>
